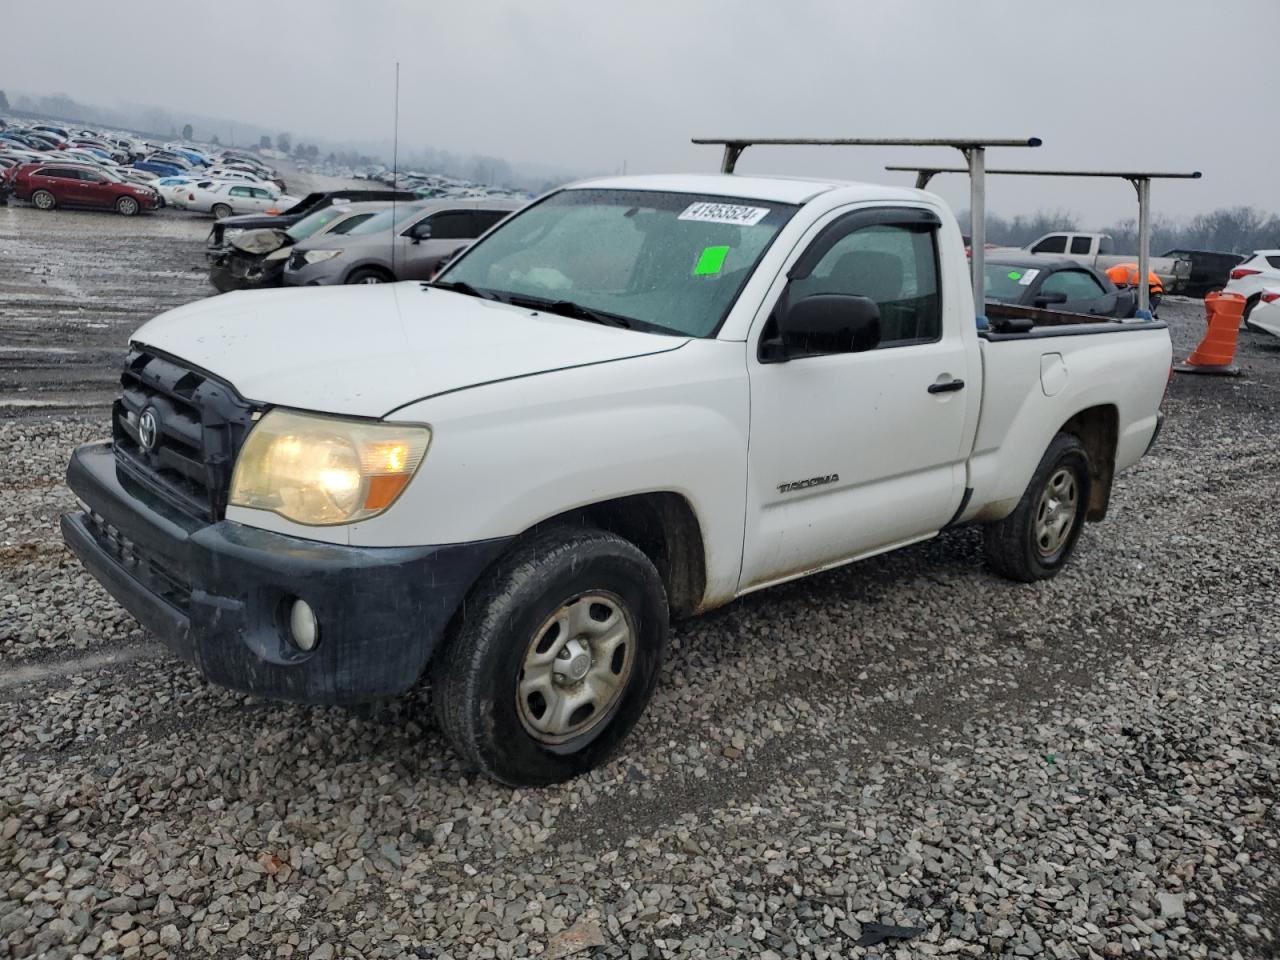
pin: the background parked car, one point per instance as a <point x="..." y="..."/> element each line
<point x="1266" y="314"/>
<point x="49" y="185"/>
<point x="256" y="258"/>
<point x="1257" y="273"/>
<point x="228" y="227"/>
<point x="1056" y="283"/>
<point x="405" y="244"/>
<point x="1210" y="269"/>
<point x="223" y="199"/>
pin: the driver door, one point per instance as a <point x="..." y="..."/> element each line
<point x="854" y="453"/>
<point x="431" y="240"/>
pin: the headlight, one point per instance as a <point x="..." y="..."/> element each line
<point x="322" y="470"/>
<point x="320" y="256"/>
<point x="229" y="231"/>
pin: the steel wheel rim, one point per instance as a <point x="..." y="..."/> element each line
<point x="576" y="667"/>
<point x="1056" y="513"/>
<point x="371" y="280"/>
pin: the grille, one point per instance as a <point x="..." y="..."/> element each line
<point x="177" y="430"/>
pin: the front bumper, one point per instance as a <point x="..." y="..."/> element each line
<point x="232" y="271"/>
<point x="217" y="595"/>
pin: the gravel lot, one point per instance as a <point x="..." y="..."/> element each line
<point x="1081" y="768"/>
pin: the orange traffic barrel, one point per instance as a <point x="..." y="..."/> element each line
<point x="1217" y="351"/>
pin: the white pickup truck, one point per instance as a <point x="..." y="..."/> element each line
<point x="1098" y="251"/>
<point x="638" y="397"/>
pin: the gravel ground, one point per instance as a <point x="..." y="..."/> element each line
<point x="1080" y="768"/>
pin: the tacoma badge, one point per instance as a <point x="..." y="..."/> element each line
<point x="811" y="482"/>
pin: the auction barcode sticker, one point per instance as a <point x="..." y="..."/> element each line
<point x="724" y="213"/>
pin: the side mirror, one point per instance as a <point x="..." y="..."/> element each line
<point x="823" y="323"/>
<point x="1046" y="299"/>
<point x="419" y="232"/>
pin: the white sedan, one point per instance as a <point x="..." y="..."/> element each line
<point x="1265" y="317"/>
<point x="242" y="176"/>
<point x="1253" y="276"/>
<point x="223" y="199"/>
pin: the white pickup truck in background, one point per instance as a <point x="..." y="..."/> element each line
<point x="638" y="397"/>
<point x="1098" y="251"/>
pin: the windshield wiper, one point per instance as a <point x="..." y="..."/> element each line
<point x="567" y="308"/>
<point x="461" y="286"/>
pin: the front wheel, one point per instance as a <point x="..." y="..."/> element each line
<point x="127" y="206"/>
<point x="367" y="276"/>
<point x="1036" y="540"/>
<point x="555" y="658"/>
<point x="43" y="200"/>
<point x="221" y="210"/>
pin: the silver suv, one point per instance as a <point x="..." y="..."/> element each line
<point x="407" y="243"/>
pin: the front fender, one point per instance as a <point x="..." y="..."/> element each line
<point x="506" y="456"/>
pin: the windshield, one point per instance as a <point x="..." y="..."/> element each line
<point x="672" y="261"/>
<point x="312" y="224"/>
<point x="386" y="220"/>
<point x="1007" y="282"/>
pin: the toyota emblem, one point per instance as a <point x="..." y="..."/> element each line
<point x="148" y="430"/>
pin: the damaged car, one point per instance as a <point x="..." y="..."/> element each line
<point x="228" y="227"/>
<point x="256" y="258"/>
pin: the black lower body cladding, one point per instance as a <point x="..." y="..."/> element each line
<point x="218" y="595"/>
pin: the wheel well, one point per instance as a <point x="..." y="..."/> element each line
<point x="369" y="268"/>
<point x="1098" y="429"/>
<point x="665" y="528"/>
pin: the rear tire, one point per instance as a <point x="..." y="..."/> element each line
<point x="127" y="207"/>
<point x="1037" y="539"/>
<point x="367" y="275"/>
<point x="43" y="200"/>
<point x="579" y="614"/>
<point x="221" y="210"/>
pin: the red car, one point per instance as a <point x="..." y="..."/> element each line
<point x="52" y="184"/>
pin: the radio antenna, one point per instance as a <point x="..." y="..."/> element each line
<point x="395" y="167"/>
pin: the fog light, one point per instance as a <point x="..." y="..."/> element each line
<point x="304" y="629"/>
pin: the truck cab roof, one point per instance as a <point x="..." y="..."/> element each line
<point x="776" y="189"/>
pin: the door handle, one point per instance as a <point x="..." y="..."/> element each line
<point x="948" y="386"/>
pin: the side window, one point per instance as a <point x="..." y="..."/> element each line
<point x="59" y="173"/>
<point x="1274" y="261"/>
<point x="1054" y="244"/>
<point x="452" y="225"/>
<point x="894" y="265"/>
<point x="352" y="221"/>
<point x="484" y="219"/>
<point x="260" y="193"/>
<point x="239" y="191"/>
<point x="1081" y="244"/>
<point x="1106" y="245"/>
<point x="1076" y="284"/>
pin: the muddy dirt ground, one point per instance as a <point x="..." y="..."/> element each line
<point x="1086" y="767"/>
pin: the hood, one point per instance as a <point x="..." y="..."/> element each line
<point x="259" y="242"/>
<point x="366" y="350"/>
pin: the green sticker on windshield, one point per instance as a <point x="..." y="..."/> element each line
<point x="1014" y="275"/>
<point x="711" y="262"/>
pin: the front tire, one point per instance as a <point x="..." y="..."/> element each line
<point x="127" y="207"/>
<point x="43" y="200"/>
<point x="367" y="275"/>
<point x="221" y="210"/>
<point x="555" y="658"/>
<point x="1037" y="539"/>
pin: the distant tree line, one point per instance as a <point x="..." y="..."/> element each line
<point x="1229" y="229"/>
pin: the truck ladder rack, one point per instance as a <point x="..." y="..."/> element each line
<point x="1141" y="180"/>
<point x="973" y="148"/>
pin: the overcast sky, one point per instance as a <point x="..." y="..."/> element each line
<point x="585" y="86"/>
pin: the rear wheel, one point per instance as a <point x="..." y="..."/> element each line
<point x="555" y="658"/>
<point x="221" y="210"/>
<point x="43" y="200"/>
<point x="1036" y="540"/>
<point x="367" y="275"/>
<point x="127" y="206"/>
